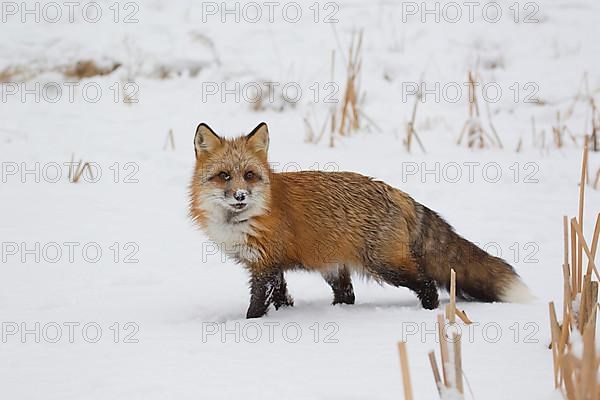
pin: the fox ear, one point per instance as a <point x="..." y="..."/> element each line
<point x="259" y="137"/>
<point x="206" y="140"/>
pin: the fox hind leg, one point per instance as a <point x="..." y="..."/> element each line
<point x="341" y="284"/>
<point x="427" y="292"/>
<point x="412" y="278"/>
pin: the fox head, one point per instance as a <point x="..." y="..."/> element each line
<point x="232" y="176"/>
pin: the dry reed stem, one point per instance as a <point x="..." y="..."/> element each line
<point x="443" y="349"/>
<point x="564" y="335"/>
<point x="353" y="68"/>
<point x="557" y="131"/>
<point x="71" y="167"/>
<point x="562" y="344"/>
<point x="405" y="372"/>
<point x="79" y="171"/>
<point x="588" y="371"/>
<point x="582" y="317"/>
<point x="573" y="262"/>
<point x="476" y="135"/>
<point x="595" y="238"/>
<point x="577" y="376"/>
<point x="451" y="309"/>
<point x="566" y="239"/>
<point x="581" y="204"/>
<point x="554" y="331"/>
<point x="436" y="372"/>
<point x="310" y="137"/>
<point x="458" y="363"/>
<point x="463" y="316"/>
<point x="595" y="128"/>
<point x="410" y="126"/>
<point x="473" y="104"/>
<point x="567" y="292"/>
<point x="591" y="263"/>
<point x="76" y="172"/>
<point x="568" y="297"/>
<point x="592" y="300"/>
<point x="567" y="373"/>
<point x="589" y="299"/>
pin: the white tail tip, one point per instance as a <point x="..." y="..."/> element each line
<point x="516" y="292"/>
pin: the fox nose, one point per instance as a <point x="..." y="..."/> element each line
<point x="240" y="195"/>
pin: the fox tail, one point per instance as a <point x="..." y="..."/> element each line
<point x="479" y="275"/>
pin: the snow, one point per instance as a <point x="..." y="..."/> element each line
<point x="160" y="274"/>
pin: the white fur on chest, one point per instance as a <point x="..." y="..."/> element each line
<point x="232" y="239"/>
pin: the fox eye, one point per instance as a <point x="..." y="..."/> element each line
<point x="224" y="175"/>
<point x="249" y="175"/>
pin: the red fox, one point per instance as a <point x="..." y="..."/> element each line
<point x="335" y="223"/>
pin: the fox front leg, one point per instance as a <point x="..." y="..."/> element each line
<point x="281" y="297"/>
<point x="266" y="288"/>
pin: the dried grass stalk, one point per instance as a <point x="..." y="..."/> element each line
<point x="405" y="372"/>
<point x="443" y="349"/>
<point x="436" y="372"/>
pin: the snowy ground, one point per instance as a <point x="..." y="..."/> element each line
<point x="179" y="306"/>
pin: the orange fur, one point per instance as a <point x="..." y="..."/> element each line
<point x="311" y="223"/>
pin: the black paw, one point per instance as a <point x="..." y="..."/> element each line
<point x="346" y="299"/>
<point x="430" y="302"/>
<point x="256" y="312"/>
<point x="286" y="301"/>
